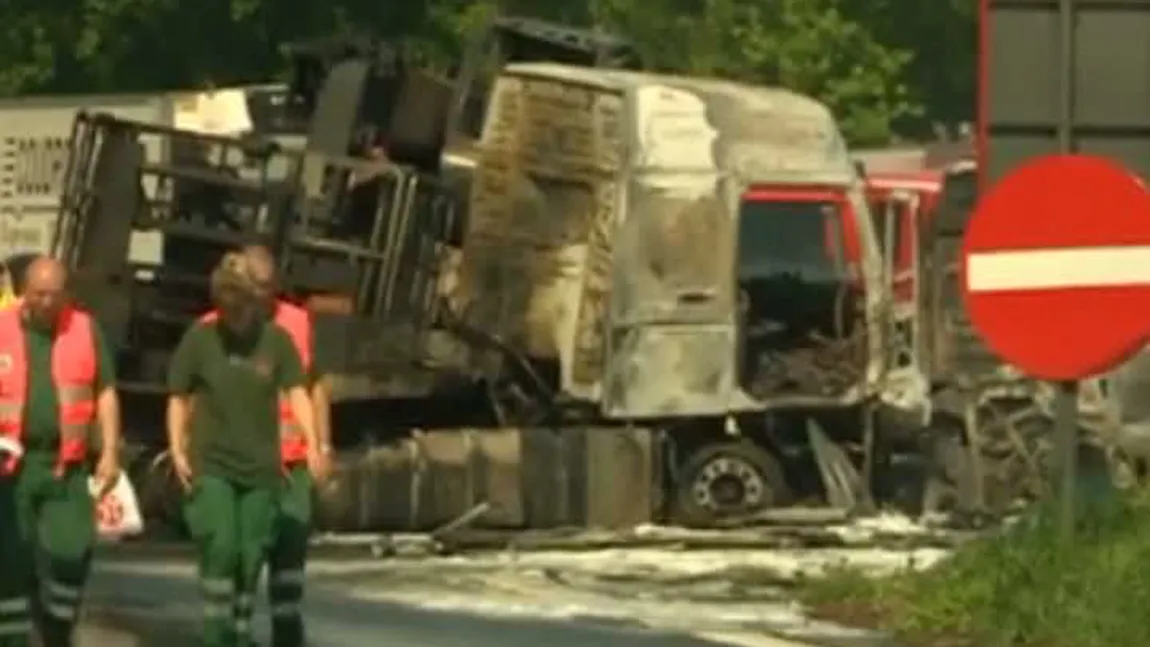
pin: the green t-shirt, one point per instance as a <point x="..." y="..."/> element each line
<point x="42" y="410"/>
<point x="235" y="383"/>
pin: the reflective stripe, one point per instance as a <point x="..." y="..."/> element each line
<point x="62" y="591"/>
<point x="77" y="397"/>
<point x="12" y="606"/>
<point x="285" y="609"/>
<point x="75" y="393"/>
<point x="74" y="431"/>
<point x="61" y="611"/>
<point x="217" y="587"/>
<point x="16" y="628"/>
<point x="293" y="577"/>
<point x="216" y="610"/>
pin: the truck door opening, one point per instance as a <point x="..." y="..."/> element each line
<point x="894" y="224"/>
<point x="800" y="294"/>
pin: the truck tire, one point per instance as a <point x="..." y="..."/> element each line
<point x="726" y="481"/>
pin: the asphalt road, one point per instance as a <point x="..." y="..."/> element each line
<point x="146" y="609"/>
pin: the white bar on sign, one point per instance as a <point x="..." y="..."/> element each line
<point x="1052" y="269"/>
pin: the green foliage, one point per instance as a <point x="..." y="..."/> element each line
<point x="1019" y="590"/>
<point x="876" y="64"/>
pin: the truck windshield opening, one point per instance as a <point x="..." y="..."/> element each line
<point x="799" y="238"/>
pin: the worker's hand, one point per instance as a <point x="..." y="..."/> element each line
<point x="107" y="473"/>
<point x="319" y="465"/>
<point x="183" y="469"/>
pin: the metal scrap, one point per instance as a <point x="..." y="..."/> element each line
<point x="844" y="486"/>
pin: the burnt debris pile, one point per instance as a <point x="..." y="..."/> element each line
<point x="818" y="366"/>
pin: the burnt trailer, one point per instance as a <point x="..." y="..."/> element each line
<point x="362" y="239"/>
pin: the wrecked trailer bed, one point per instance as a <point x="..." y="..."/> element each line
<point x="381" y="283"/>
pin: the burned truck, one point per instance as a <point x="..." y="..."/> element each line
<point x="694" y="256"/>
<point x="649" y="297"/>
<point x="666" y="286"/>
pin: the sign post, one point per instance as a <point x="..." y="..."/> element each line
<point x="1066" y="441"/>
<point x="1054" y="258"/>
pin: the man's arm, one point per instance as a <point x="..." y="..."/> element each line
<point x="179" y="412"/>
<point x="301" y="406"/>
<point x="320" y="396"/>
<point x="321" y="405"/>
<point x="181" y="378"/>
<point x="107" y="399"/>
<point x="292" y="381"/>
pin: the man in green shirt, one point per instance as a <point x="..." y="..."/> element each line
<point x="226" y="448"/>
<point x="287" y="559"/>
<point x="46" y="504"/>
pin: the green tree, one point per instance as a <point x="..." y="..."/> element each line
<point x="876" y="64"/>
<point x="810" y="46"/>
<point x="943" y="39"/>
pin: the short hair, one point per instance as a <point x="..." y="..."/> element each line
<point x="233" y="284"/>
<point x="261" y="261"/>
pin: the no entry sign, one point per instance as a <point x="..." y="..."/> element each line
<point x="1056" y="269"/>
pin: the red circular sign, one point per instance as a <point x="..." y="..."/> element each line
<point x="1056" y="266"/>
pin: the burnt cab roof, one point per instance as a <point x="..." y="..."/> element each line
<point x="764" y="133"/>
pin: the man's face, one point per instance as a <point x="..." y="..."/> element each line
<point x="263" y="274"/>
<point x="44" y="298"/>
<point x="265" y="294"/>
<point x="241" y="319"/>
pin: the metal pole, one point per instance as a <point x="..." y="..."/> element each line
<point x="1066" y="398"/>
<point x="1066" y="439"/>
<point x="1066" y="71"/>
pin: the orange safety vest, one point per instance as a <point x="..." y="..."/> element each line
<point x="297" y="324"/>
<point x="74" y="372"/>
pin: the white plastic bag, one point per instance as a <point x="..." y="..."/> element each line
<point x="10" y="448"/>
<point x="118" y="513"/>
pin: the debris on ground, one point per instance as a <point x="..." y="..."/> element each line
<point x="795" y="528"/>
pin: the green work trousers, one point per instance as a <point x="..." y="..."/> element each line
<point x="286" y="563"/>
<point x="47" y="530"/>
<point x="232" y="526"/>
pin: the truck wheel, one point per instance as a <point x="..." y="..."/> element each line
<point x="726" y="481"/>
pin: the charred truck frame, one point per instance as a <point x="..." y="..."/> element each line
<point x="642" y="296"/>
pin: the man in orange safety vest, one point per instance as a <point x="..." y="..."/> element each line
<point x="57" y="383"/>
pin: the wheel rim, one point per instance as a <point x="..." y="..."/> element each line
<point x="730" y="484"/>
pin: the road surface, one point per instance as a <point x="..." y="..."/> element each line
<point x="553" y="600"/>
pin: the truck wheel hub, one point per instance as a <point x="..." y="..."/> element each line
<point x="728" y="482"/>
